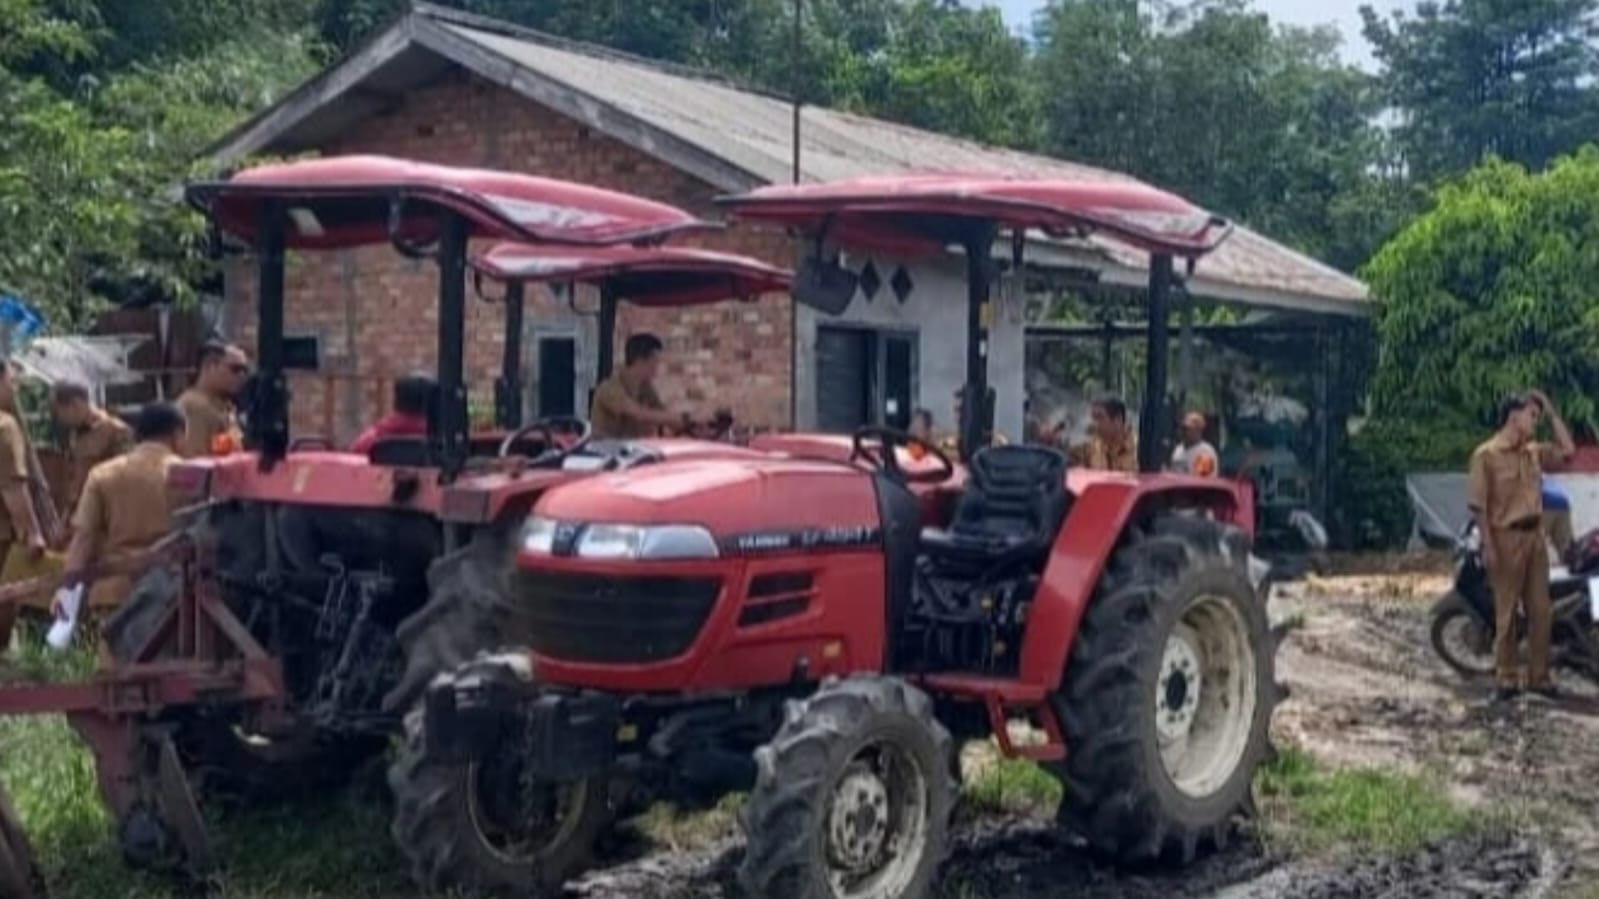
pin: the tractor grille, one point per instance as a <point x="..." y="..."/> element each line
<point x="608" y="619"/>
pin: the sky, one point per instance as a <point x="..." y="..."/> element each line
<point x="1343" y="13"/>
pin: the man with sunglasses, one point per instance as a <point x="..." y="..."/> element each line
<point x="1505" y="493"/>
<point x="209" y="406"/>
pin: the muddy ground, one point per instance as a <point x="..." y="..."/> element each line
<point x="1366" y="691"/>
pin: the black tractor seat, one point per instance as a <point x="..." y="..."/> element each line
<point x="1013" y="505"/>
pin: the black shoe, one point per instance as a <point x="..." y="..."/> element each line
<point x="1506" y="694"/>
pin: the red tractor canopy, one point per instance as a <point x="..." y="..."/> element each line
<point x="425" y="211"/>
<point x="647" y="276"/>
<point x="346" y="201"/>
<point x="925" y="213"/>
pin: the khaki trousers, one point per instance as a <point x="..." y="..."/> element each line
<point x="1520" y="580"/>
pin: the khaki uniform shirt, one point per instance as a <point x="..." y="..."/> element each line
<point x="1098" y="455"/>
<point x="1505" y="481"/>
<point x="609" y="419"/>
<point x="124" y="510"/>
<point x="207" y="417"/>
<point x="13" y="471"/>
<point x="104" y="438"/>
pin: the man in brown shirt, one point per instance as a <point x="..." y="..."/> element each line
<point x="209" y="404"/>
<point x="19" y="525"/>
<point x="626" y="406"/>
<point x="93" y="436"/>
<point x="1505" y="494"/>
<point x="1112" y="446"/>
<point x="125" y="508"/>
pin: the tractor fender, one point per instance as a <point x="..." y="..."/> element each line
<point x="1104" y="509"/>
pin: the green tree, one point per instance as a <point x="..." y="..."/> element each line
<point x="1210" y="99"/>
<point x="1495" y="289"/>
<point x="1513" y="78"/>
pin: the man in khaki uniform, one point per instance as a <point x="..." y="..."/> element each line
<point x="1112" y="447"/>
<point x="626" y="406"/>
<point x="208" y="406"/>
<point x="19" y="525"/>
<point x="1505" y="493"/>
<point x="93" y="436"/>
<point x="125" y="508"/>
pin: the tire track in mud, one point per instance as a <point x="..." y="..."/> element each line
<point x="998" y="859"/>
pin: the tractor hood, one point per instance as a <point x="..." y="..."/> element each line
<point x="733" y="499"/>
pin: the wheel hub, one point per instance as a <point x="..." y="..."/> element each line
<point x="858" y="824"/>
<point x="1179" y="687"/>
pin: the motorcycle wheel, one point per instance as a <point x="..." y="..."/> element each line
<point x="1463" y="640"/>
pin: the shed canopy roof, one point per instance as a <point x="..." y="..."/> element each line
<point x="737" y="139"/>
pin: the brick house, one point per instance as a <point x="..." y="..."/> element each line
<point x="445" y="87"/>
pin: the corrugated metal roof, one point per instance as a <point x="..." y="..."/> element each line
<point x="753" y="132"/>
<point x="95" y="362"/>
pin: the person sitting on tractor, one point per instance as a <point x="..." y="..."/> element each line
<point x="209" y="406"/>
<point x="626" y="406"/>
<point x="93" y="436"/>
<point x="125" y="508"/>
<point x="409" y="417"/>
<point x="1194" y="455"/>
<point x="1111" y="446"/>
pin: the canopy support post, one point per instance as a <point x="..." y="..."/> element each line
<point x="448" y="425"/>
<point x="1152" y="421"/>
<point x="508" y="390"/>
<point x="268" y="412"/>
<point x="977" y="408"/>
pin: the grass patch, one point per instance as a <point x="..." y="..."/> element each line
<point x="1311" y="809"/>
<point x="671" y="828"/>
<point x="1012" y="786"/>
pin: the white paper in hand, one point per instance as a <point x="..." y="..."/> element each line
<point x="69" y="600"/>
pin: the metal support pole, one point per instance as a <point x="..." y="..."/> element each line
<point x="1185" y="350"/>
<point x="977" y="412"/>
<point x="268" y="413"/>
<point x="794" y="78"/>
<point x="1152" y="423"/>
<point x="607" y="329"/>
<point x="449" y="422"/>
<point x="508" y="390"/>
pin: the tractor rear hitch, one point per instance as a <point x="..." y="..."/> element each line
<point x="564" y="738"/>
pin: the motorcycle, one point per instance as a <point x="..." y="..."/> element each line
<point x="1463" y="620"/>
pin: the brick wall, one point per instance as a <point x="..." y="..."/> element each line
<point x="376" y="314"/>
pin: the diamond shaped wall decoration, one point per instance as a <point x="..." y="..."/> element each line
<point x="871" y="281"/>
<point x="902" y="284"/>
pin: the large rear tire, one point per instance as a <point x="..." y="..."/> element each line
<point x="1462" y="639"/>
<point x="466" y="825"/>
<point x="466" y="615"/>
<point x="853" y="797"/>
<point x="1168" y="695"/>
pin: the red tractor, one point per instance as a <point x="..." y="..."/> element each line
<point x="364" y="574"/>
<point x="821" y="623"/>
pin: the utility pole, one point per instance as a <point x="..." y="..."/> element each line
<point x="795" y="73"/>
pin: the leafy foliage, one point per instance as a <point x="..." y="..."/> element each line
<point x="1513" y="78"/>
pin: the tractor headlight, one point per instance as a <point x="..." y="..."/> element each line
<point x="617" y="541"/>
<point x="626" y="541"/>
<point x="538" y="536"/>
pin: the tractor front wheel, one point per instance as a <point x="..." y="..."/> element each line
<point x="484" y="826"/>
<point x="853" y="797"/>
<point x="1167" y="696"/>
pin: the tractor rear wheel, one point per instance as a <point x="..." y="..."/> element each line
<point x="853" y="797"/>
<point x="1168" y="695"/>
<point x="466" y="615"/>
<point x="481" y="826"/>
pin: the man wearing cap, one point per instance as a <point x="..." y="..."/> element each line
<point x="1194" y="455"/>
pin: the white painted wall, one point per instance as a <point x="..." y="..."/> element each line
<point x="936" y="312"/>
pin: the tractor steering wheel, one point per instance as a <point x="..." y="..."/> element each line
<point x="877" y="445"/>
<point x="548" y="427"/>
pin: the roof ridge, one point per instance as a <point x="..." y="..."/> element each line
<point x="501" y="27"/>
